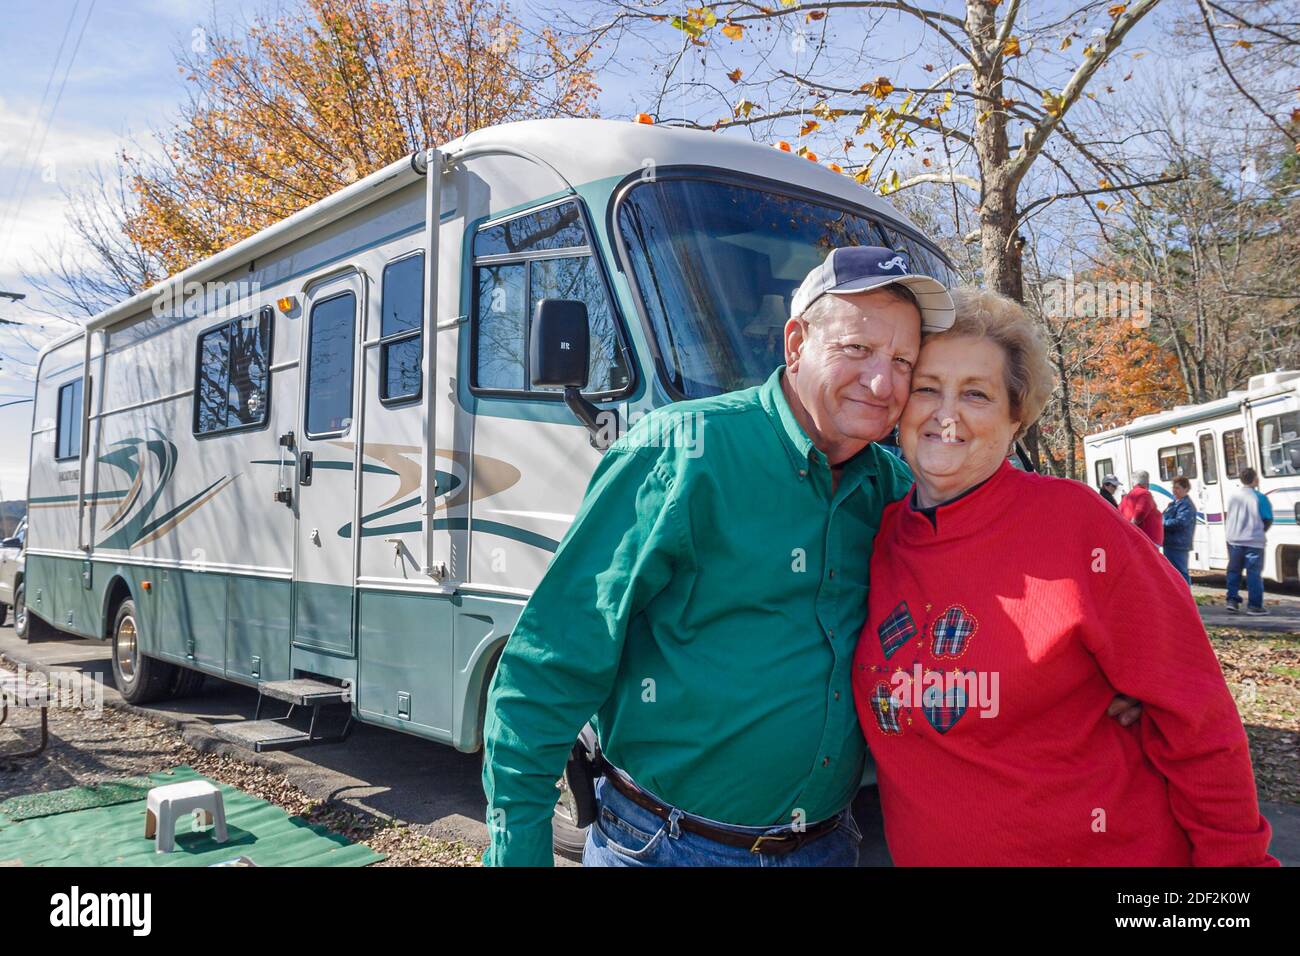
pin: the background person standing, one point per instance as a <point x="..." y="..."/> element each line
<point x="1140" y="509"/>
<point x="1249" y="516"/>
<point x="1180" y="527"/>
<point x="1110" y="485"/>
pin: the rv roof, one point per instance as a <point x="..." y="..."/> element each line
<point x="1260" y="386"/>
<point x="606" y="148"/>
<point x="617" y="148"/>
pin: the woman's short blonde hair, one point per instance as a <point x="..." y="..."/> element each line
<point x="1030" y="379"/>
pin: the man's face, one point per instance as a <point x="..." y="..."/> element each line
<point x="850" y="362"/>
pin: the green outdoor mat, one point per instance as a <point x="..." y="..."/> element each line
<point x="113" y="834"/>
<point x="105" y="794"/>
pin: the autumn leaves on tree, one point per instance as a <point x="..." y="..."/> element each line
<point x="303" y="105"/>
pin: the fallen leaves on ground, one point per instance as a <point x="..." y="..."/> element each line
<point x="1263" y="672"/>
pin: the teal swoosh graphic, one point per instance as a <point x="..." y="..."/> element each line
<point x="164" y="452"/>
<point x="331" y="465"/>
<point x="102" y="496"/>
<point x="450" y="524"/>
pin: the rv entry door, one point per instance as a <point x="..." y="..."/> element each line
<point x="1211" y="505"/>
<point x="326" y="483"/>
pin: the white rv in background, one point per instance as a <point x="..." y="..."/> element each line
<point x="341" y="482"/>
<point x="1210" y="444"/>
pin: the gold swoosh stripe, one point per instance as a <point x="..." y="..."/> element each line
<point x="181" y="516"/>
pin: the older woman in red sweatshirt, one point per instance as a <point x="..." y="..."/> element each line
<point x="1006" y="610"/>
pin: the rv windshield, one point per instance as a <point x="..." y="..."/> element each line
<point x="716" y="264"/>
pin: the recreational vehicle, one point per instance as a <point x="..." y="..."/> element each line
<point x="1210" y="444"/>
<point x="332" y="461"/>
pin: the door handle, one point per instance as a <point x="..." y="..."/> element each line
<point x="304" y="467"/>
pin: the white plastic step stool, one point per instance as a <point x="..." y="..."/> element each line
<point x="173" y="802"/>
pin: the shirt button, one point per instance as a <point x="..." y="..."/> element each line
<point x="831" y="633"/>
<point x="832" y="572"/>
<point x="803" y="472"/>
<point x="837" y="695"/>
<point x="826" y="762"/>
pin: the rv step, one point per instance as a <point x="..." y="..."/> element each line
<point x="303" y="691"/>
<point x="262" y="735"/>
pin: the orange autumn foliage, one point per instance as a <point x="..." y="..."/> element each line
<point x="306" y="103"/>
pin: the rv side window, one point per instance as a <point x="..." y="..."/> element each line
<point x="332" y="329"/>
<point x="1104" y="467"/>
<point x="1279" y="445"/>
<point x="555" y="227"/>
<point x="67" y="440"/>
<point x="233" y="375"/>
<point x="541" y="255"/>
<point x="1209" y="466"/>
<point x="1234" y="452"/>
<point x="401" y="348"/>
<point x="1177" y="461"/>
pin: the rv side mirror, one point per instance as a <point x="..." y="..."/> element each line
<point x="560" y="354"/>
<point x="1293" y="450"/>
<point x="560" y="347"/>
<point x="11" y="543"/>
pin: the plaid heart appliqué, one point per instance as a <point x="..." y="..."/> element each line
<point x="942" y="716"/>
<point x="896" y="630"/>
<point x="951" y="632"/>
<point x="886" y="711"/>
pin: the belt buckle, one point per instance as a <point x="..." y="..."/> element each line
<point x="768" y="836"/>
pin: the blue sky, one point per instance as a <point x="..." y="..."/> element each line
<point x="123" y="84"/>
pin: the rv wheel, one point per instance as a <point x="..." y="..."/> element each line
<point x="4" y="611"/>
<point x="22" y="620"/>
<point x="568" y="839"/>
<point x="139" y="679"/>
<point x="187" y="683"/>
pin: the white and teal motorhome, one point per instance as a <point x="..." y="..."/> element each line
<point x="343" y="474"/>
<point x="1210" y="444"/>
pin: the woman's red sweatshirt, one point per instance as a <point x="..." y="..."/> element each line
<point x="997" y="637"/>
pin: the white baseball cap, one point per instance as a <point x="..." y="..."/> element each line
<point x="852" y="269"/>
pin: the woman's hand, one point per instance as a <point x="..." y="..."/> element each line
<point x="1125" y="709"/>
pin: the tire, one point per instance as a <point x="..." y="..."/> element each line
<point x="568" y="839"/>
<point x="4" y="612"/>
<point x="22" y="617"/>
<point x="140" y="679"/>
<point x="188" y="683"/>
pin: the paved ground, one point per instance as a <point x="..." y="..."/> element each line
<point x="1282" y="602"/>
<point x="428" y="786"/>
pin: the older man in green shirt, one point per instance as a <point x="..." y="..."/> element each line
<point x="705" y="603"/>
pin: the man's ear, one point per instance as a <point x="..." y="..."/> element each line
<point x="796" y="337"/>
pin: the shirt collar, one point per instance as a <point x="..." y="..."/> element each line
<point x="795" y="440"/>
<point x="972" y="510"/>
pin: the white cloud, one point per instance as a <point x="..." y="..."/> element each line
<point x="33" y="221"/>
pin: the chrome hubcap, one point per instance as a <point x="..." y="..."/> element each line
<point x="126" y="648"/>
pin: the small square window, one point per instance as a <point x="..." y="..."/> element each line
<point x="68" y="434"/>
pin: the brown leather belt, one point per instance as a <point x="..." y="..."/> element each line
<point x="777" y="844"/>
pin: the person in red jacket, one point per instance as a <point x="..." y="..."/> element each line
<point x="1006" y="609"/>
<point x="1139" y="508"/>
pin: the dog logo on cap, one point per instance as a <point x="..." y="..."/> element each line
<point x="898" y="262"/>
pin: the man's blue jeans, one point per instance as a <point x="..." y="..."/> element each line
<point x="1252" y="560"/>
<point x="625" y="834"/>
<point x="1179" y="560"/>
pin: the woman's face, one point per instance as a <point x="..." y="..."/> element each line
<point x="957" y="425"/>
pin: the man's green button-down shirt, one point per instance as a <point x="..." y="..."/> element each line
<point x="702" y="612"/>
